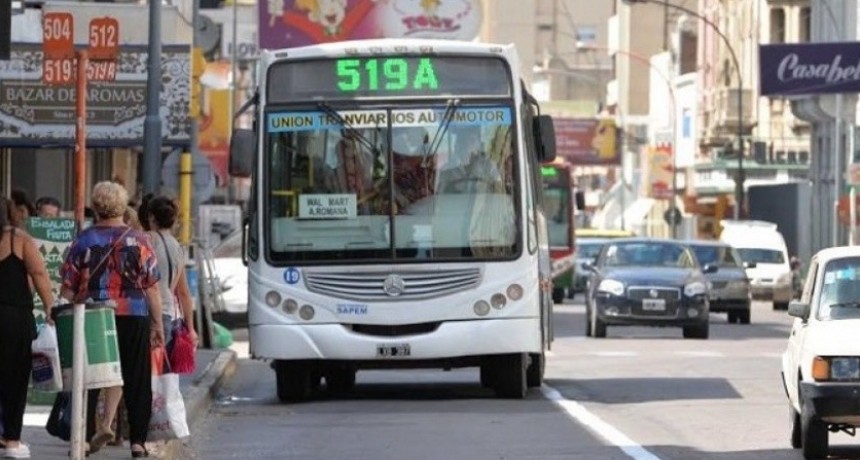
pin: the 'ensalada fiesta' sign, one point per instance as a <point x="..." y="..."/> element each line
<point x="809" y="68"/>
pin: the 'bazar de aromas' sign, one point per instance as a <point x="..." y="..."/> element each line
<point x="32" y="113"/>
<point x="809" y="68"/>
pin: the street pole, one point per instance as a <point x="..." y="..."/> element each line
<point x="740" y="175"/>
<point x="152" y="122"/>
<point x="234" y="82"/>
<point x="837" y="149"/>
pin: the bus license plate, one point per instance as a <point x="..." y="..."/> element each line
<point x="401" y="350"/>
<point x="653" y="305"/>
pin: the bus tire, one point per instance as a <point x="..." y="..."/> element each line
<point x="340" y="381"/>
<point x="511" y="379"/>
<point x="293" y="381"/>
<point x="534" y="374"/>
<point x="558" y="296"/>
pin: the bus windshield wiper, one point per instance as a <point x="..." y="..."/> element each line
<point x="447" y="117"/>
<point x="347" y="126"/>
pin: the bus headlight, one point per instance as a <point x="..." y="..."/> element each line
<point x="273" y="299"/>
<point x="515" y="292"/>
<point x="290" y="306"/>
<point x="481" y="308"/>
<point x="498" y="301"/>
<point x="306" y="312"/>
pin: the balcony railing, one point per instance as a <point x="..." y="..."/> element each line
<point x="721" y="122"/>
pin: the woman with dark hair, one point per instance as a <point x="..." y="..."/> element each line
<point x="20" y="261"/>
<point x="175" y="294"/>
<point x="23" y="208"/>
<point x="111" y="261"/>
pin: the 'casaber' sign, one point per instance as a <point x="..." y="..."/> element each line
<point x="791" y="69"/>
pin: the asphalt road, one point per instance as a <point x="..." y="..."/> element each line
<point x="640" y="393"/>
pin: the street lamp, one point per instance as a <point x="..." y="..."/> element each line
<point x="739" y="177"/>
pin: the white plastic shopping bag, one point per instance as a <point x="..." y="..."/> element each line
<point x="47" y="374"/>
<point x="168" y="409"/>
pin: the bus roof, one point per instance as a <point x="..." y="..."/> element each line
<point x="404" y="46"/>
<point x="602" y="233"/>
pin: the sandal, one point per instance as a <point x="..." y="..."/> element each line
<point x="99" y="441"/>
<point x="139" y="453"/>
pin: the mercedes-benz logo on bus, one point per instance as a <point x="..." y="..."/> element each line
<point x="393" y="285"/>
<point x="653" y="293"/>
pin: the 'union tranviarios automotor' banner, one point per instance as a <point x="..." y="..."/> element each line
<point x="809" y="68"/>
<point x="290" y="23"/>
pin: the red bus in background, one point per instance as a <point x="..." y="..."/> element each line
<point x="559" y="202"/>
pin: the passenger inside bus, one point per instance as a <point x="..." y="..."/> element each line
<point x="469" y="169"/>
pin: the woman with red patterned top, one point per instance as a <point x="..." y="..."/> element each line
<point x="113" y="262"/>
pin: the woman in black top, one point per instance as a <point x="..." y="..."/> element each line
<point x="20" y="262"/>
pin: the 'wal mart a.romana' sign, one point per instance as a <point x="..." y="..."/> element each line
<point x="809" y="68"/>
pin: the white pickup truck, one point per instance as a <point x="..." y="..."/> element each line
<point x="821" y="365"/>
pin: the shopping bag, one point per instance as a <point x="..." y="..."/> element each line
<point x="46" y="374"/>
<point x="182" y="350"/>
<point x="168" y="408"/>
<point x="60" y="419"/>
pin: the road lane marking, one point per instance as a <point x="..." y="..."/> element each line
<point x="606" y="431"/>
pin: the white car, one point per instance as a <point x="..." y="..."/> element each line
<point x="232" y="273"/>
<point x="821" y="365"/>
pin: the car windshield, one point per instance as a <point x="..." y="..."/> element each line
<point x="722" y="256"/>
<point x="588" y="250"/>
<point x="648" y="254"/>
<point x="840" y="291"/>
<point x="761" y="256"/>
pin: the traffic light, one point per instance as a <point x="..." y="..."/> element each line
<point x="198" y="65"/>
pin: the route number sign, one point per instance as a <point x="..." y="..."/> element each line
<point x="104" y="38"/>
<point x="58" y="35"/>
<point x="59" y="71"/>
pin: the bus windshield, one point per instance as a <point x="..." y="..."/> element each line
<point x="432" y="182"/>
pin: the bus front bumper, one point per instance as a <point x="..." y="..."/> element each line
<point x="450" y="339"/>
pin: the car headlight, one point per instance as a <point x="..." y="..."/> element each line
<point x="611" y="287"/>
<point x="695" y="288"/>
<point x="836" y="368"/>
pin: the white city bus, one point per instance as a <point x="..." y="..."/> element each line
<point x="395" y="217"/>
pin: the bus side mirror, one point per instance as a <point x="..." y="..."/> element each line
<point x="544" y="133"/>
<point x="243" y="144"/>
<point x="580" y="200"/>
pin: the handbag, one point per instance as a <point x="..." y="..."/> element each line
<point x="46" y="374"/>
<point x="168" y="419"/>
<point x="60" y="419"/>
<point x="182" y="351"/>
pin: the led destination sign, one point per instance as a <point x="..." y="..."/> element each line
<point x="355" y="77"/>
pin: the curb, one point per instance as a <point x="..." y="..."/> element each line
<point x="201" y="395"/>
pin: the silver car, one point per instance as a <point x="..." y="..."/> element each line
<point x="730" y="287"/>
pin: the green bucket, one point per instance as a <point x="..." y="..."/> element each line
<point x="102" y="368"/>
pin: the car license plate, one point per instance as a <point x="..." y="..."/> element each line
<point x="653" y="305"/>
<point x="400" y="350"/>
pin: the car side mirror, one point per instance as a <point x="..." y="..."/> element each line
<point x="798" y="309"/>
<point x="710" y="268"/>
<point x="544" y="133"/>
<point x="588" y="265"/>
<point x="749" y="264"/>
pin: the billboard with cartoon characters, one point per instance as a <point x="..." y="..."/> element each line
<point x="291" y="23"/>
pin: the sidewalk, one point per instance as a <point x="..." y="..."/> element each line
<point x="197" y="390"/>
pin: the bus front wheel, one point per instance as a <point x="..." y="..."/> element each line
<point x="511" y="379"/>
<point x="293" y="381"/>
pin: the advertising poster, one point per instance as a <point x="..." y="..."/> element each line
<point x="291" y="23"/>
<point x="53" y="237"/>
<point x="660" y="172"/>
<point x="587" y="141"/>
